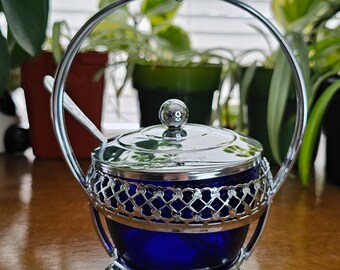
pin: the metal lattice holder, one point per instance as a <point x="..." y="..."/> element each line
<point x="182" y="209"/>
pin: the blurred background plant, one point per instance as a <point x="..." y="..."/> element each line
<point x="22" y="33"/>
<point x="144" y="33"/>
<point x="25" y="33"/>
<point x="143" y="30"/>
<point x="312" y="28"/>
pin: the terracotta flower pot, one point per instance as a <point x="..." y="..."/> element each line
<point x="81" y="87"/>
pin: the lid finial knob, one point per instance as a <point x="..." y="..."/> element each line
<point x="173" y="113"/>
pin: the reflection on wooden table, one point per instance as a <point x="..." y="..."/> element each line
<point x="45" y="222"/>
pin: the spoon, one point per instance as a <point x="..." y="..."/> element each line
<point x="77" y="113"/>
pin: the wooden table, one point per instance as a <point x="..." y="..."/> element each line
<point x="45" y="222"/>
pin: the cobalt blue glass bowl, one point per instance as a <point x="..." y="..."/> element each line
<point x="146" y="249"/>
<point x="149" y="250"/>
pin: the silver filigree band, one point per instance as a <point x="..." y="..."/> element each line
<point x="180" y="209"/>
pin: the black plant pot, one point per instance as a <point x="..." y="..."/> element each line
<point x="194" y="85"/>
<point x="257" y="104"/>
<point x="332" y="131"/>
<point x="13" y="138"/>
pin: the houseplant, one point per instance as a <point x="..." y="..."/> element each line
<point x="26" y="31"/>
<point x="81" y="86"/>
<point x="150" y="46"/>
<point x="317" y="49"/>
<point x="308" y="22"/>
<point x="257" y="104"/>
<point x="253" y="80"/>
<point x="26" y="26"/>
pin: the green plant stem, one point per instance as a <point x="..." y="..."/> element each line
<point x="312" y="130"/>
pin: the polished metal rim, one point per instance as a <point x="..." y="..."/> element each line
<point x="178" y="175"/>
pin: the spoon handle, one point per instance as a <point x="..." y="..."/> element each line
<point x="77" y="113"/>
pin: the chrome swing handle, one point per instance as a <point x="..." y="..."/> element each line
<point x="86" y="29"/>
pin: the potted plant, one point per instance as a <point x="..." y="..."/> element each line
<point x="324" y="52"/>
<point x="25" y="33"/>
<point x="257" y="103"/>
<point x="305" y="23"/>
<point x="159" y="59"/>
<point x="254" y="80"/>
<point x="84" y="87"/>
<point x="315" y="45"/>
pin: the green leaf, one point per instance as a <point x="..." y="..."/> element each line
<point x="104" y="3"/>
<point x="28" y="21"/>
<point x="277" y="100"/>
<point x="325" y="53"/>
<point x="244" y="89"/>
<point x="286" y="12"/>
<point x="160" y="11"/>
<point x="281" y="86"/>
<point x="176" y="38"/>
<point x="316" y="85"/>
<point x="303" y="15"/>
<point x="119" y="15"/>
<point x="57" y="49"/>
<point x="17" y="53"/>
<point x="18" y="56"/>
<point x="301" y="51"/>
<point x="5" y="63"/>
<point x="312" y="130"/>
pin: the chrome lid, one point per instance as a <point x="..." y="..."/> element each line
<point x="178" y="151"/>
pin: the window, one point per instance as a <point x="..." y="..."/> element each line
<point x="211" y="23"/>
